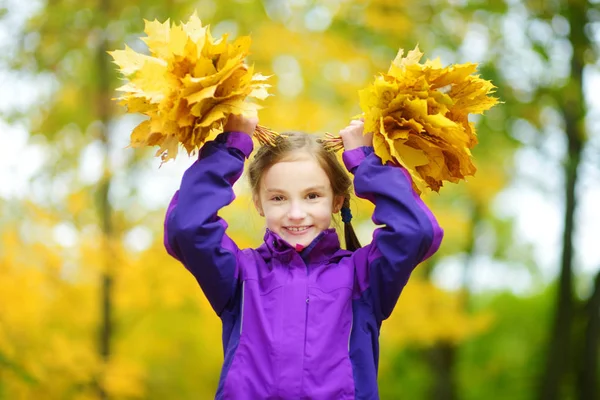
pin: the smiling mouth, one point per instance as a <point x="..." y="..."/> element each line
<point x="297" y="229"/>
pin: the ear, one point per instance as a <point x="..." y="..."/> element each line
<point x="256" y="201"/>
<point x="338" y="202"/>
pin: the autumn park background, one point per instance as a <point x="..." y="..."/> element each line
<point x="91" y="305"/>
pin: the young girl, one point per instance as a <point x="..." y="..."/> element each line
<point x="301" y="316"/>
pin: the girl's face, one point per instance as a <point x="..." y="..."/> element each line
<point x="296" y="199"/>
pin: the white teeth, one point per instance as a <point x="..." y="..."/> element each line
<point x="297" y="228"/>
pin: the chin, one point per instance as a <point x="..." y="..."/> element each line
<point x="303" y="241"/>
<point x="294" y="241"/>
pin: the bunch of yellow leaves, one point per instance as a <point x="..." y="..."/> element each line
<point x="418" y="114"/>
<point x="188" y="85"/>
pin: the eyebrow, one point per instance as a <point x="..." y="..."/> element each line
<point x="310" y="189"/>
<point x="315" y="189"/>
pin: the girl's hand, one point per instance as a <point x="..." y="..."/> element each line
<point x="239" y="123"/>
<point x="353" y="137"/>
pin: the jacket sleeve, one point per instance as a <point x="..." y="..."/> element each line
<point x="410" y="233"/>
<point x="194" y="233"/>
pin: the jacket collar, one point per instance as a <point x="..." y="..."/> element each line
<point x="323" y="247"/>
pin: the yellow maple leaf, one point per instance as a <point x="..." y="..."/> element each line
<point x="418" y="114"/>
<point x="187" y="86"/>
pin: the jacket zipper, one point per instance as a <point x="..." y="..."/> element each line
<point x="305" y="332"/>
<point x="306" y="313"/>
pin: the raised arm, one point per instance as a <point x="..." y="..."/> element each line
<point x="194" y="233"/>
<point x="409" y="233"/>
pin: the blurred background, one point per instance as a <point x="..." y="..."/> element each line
<point x="92" y="307"/>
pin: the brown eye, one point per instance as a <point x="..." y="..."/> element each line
<point x="313" y="196"/>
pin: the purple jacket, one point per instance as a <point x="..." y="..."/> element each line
<point x="298" y="325"/>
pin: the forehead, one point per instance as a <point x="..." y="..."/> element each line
<point x="298" y="171"/>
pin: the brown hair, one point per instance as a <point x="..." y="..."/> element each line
<point x="287" y="142"/>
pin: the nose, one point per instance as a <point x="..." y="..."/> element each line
<point x="296" y="211"/>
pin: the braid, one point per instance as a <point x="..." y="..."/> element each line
<point x="352" y="242"/>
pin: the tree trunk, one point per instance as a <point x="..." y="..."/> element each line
<point x="573" y="109"/>
<point x="442" y="359"/>
<point x="587" y="385"/>
<point x="105" y="210"/>
<point x="442" y="356"/>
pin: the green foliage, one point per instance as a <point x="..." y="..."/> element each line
<point x="409" y="376"/>
<point x="505" y="361"/>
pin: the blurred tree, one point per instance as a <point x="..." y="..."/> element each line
<point x="570" y="98"/>
<point x="67" y="43"/>
<point x="540" y="68"/>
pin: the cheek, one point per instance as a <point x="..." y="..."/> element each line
<point x="273" y="215"/>
<point x="324" y="212"/>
